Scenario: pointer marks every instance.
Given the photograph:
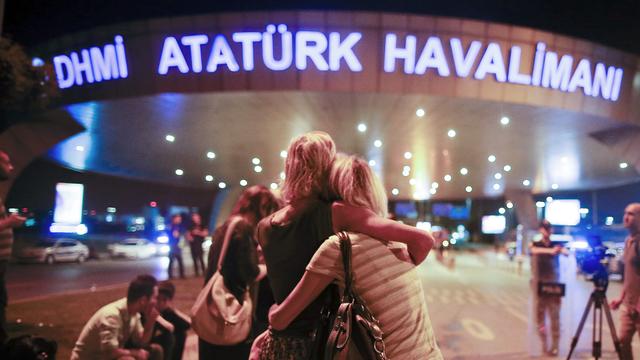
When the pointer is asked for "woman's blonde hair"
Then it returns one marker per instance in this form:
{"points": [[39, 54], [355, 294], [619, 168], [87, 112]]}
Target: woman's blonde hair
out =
{"points": [[353, 181], [307, 166]]}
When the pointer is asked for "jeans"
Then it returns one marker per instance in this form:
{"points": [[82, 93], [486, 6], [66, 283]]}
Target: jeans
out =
{"points": [[175, 254], [196, 255]]}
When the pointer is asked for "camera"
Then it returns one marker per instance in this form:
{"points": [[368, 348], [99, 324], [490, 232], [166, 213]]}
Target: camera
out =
{"points": [[594, 261]]}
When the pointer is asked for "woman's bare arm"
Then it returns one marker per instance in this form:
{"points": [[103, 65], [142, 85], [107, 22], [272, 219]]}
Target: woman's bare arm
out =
{"points": [[362, 220], [307, 289]]}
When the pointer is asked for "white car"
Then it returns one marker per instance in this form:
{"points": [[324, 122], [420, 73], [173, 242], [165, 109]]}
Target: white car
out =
{"points": [[136, 248], [55, 250]]}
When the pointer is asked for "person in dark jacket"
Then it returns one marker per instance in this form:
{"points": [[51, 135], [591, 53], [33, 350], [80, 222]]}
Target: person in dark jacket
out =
{"points": [[171, 334], [241, 267]]}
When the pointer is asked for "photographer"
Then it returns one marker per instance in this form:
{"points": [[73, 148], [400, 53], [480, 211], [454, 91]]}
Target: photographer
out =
{"points": [[546, 269], [630, 297]]}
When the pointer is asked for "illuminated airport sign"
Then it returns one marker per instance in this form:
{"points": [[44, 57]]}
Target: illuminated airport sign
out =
{"points": [[279, 49]]}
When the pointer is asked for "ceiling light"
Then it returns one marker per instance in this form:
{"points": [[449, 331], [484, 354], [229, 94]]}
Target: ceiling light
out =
{"points": [[496, 187], [211, 155], [540, 204], [468, 189], [504, 120], [507, 168], [208, 178], [554, 186], [179, 172], [170, 138], [257, 168], [549, 199], [526, 182], [624, 165], [395, 191], [432, 191], [420, 112], [255, 161], [491, 158], [273, 186], [80, 148], [372, 163], [464, 171], [222, 185], [405, 173], [412, 181], [282, 175], [243, 182], [362, 127], [509, 205], [447, 178], [434, 185], [497, 176], [451, 133], [283, 154], [406, 168], [377, 143], [501, 210], [408, 155]]}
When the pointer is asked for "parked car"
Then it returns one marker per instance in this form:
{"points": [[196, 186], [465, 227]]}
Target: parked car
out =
{"points": [[54, 250], [615, 263], [136, 248]]}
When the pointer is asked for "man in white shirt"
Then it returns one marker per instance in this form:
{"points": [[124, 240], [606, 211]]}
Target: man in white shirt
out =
{"points": [[116, 331]]}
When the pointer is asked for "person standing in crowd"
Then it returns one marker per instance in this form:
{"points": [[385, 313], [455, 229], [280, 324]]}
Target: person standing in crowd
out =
{"points": [[7, 224], [240, 267], [175, 252], [546, 269], [379, 268], [195, 236], [290, 237], [116, 331], [172, 334], [629, 301]]}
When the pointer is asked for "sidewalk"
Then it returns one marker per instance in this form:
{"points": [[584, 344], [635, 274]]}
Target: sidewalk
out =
{"points": [[62, 317]]}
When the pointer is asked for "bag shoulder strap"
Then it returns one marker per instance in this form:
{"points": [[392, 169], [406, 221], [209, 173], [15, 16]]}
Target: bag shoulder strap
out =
{"points": [[345, 249], [227, 238]]}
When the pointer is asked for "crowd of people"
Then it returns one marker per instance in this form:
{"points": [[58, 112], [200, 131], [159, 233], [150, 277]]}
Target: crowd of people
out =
{"points": [[280, 252]]}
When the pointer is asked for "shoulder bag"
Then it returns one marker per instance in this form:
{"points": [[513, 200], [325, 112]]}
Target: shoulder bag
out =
{"points": [[217, 316], [355, 333]]}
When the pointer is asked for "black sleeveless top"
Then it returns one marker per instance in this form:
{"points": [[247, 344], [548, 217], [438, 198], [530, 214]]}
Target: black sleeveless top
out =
{"points": [[287, 251]]}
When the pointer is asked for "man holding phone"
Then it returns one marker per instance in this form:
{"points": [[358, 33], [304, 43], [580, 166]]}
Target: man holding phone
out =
{"points": [[7, 223]]}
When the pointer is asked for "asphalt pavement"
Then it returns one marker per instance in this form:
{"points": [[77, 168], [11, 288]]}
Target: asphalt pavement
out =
{"points": [[32, 281]]}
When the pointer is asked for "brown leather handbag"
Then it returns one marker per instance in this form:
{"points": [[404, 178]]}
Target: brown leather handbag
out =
{"points": [[355, 333]]}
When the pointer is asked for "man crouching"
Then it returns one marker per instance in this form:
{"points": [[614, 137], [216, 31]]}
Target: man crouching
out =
{"points": [[116, 332]]}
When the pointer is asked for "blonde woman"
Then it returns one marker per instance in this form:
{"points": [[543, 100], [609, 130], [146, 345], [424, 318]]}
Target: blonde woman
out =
{"points": [[384, 272], [290, 237]]}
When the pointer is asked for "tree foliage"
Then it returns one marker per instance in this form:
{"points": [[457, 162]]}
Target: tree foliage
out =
{"points": [[25, 89]]}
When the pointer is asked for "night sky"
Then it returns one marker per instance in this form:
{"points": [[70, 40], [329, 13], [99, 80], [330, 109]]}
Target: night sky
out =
{"points": [[613, 22]]}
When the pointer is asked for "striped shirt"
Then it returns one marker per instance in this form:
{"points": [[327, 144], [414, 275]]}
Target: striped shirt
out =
{"points": [[387, 281], [6, 236]]}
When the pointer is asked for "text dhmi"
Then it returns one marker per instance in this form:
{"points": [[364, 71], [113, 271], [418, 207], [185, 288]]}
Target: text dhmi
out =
{"points": [[92, 65]]}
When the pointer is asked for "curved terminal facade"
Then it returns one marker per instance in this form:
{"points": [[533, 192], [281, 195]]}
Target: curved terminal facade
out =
{"points": [[442, 107]]}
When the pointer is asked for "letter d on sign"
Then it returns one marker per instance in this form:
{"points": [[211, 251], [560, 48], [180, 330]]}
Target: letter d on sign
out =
{"points": [[64, 71]]}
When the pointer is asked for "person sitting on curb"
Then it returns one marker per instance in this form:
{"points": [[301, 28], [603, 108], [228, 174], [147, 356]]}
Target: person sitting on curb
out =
{"points": [[171, 331], [116, 332]]}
